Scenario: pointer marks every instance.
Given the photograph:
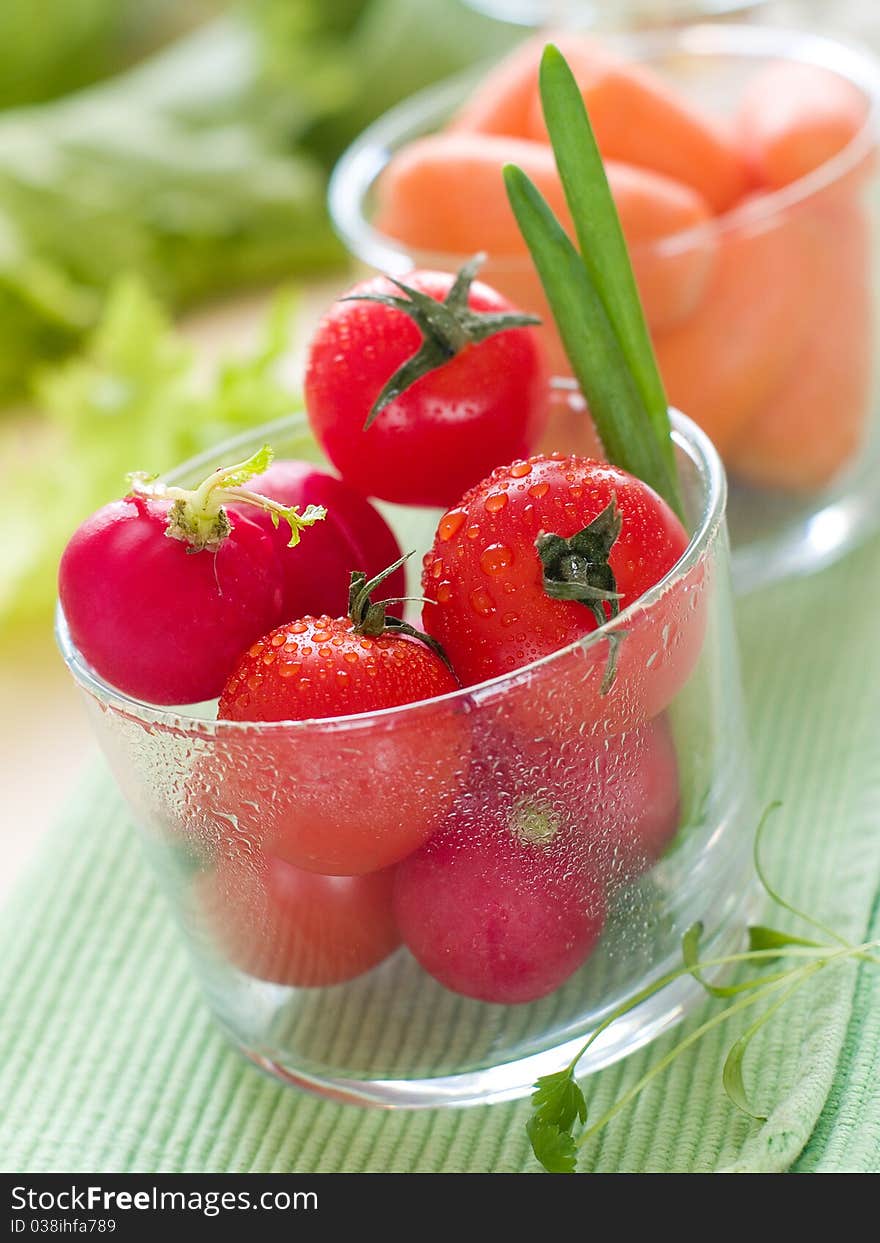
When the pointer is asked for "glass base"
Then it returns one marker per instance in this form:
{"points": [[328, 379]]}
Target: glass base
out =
{"points": [[515, 1079]]}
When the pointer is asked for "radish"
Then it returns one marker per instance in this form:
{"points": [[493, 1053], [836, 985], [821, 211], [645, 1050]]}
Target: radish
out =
{"points": [[498, 907], [163, 591], [354, 536]]}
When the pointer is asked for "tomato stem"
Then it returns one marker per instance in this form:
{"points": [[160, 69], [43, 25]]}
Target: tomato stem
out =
{"points": [[578, 569], [370, 618], [447, 327]]}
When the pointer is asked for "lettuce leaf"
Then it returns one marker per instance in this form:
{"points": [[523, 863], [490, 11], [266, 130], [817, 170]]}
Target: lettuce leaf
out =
{"points": [[134, 399]]}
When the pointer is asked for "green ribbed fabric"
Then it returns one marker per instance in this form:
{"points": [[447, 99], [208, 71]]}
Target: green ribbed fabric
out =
{"points": [[109, 1060]]}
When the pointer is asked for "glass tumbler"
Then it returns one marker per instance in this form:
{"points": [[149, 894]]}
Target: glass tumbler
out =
{"points": [[764, 319], [597, 823]]}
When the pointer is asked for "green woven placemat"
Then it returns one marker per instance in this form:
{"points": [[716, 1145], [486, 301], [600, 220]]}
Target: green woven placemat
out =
{"points": [[109, 1060]]}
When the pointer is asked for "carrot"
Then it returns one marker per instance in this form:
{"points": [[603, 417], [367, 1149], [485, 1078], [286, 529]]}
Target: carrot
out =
{"points": [[641, 120], [813, 424], [722, 365], [445, 194], [794, 117], [502, 103]]}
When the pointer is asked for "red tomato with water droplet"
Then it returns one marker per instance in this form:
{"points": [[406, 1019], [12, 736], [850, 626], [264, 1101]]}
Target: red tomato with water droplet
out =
{"points": [[340, 798], [486, 405], [489, 610]]}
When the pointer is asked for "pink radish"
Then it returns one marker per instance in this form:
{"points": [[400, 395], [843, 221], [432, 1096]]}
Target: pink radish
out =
{"points": [[353, 536], [494, 912], [162, 591]]}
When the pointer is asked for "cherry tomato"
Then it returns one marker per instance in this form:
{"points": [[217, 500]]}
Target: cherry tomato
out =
{"points": [[450, 427], [292, 927], [341, 799], [489, 606]]}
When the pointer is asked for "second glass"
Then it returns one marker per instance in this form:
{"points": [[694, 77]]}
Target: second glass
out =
{"points": [[763, 319]]}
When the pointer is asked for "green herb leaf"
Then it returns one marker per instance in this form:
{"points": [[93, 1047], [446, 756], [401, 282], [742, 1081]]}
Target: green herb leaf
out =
{"points": [[763, 938], [732, 1072], [553, 1148], [559, 1100], [600, 237], [590, 342]]}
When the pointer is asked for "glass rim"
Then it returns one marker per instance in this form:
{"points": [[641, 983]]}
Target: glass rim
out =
{"points": [[361, 163], [689, 439], [638, 8]]}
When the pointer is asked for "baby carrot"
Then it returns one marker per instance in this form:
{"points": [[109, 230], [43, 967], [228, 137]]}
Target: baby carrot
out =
{"points": [[793, 117]]}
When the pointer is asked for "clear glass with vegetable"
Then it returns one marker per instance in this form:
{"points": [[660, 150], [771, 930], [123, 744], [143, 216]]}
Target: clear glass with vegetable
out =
{"points": [[742, 162], [425, 841]]}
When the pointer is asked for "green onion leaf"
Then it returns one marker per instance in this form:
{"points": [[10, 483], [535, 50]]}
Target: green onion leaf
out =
{"points": [[590, 342], [593, 294], [599, 234]]}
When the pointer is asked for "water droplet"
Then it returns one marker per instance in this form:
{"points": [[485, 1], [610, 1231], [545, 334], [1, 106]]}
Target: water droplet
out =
{"points": [[255, 649], [269, 657], [351, 657], [341, 676], [321, 636], [366, 644], [481, 602], [473, 531], [510, 619], [537, 490], [444, 593], [437, 568], [520, 469], [254, 681], [303, 684], [289, 669], [495, 501], [325, 653], [298, 628], [576, 491], [496, 559], [279, 639], [450, 523]]}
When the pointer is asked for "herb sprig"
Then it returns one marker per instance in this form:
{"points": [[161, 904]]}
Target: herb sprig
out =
{"points": [[592, 291], [559, 1104]]}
